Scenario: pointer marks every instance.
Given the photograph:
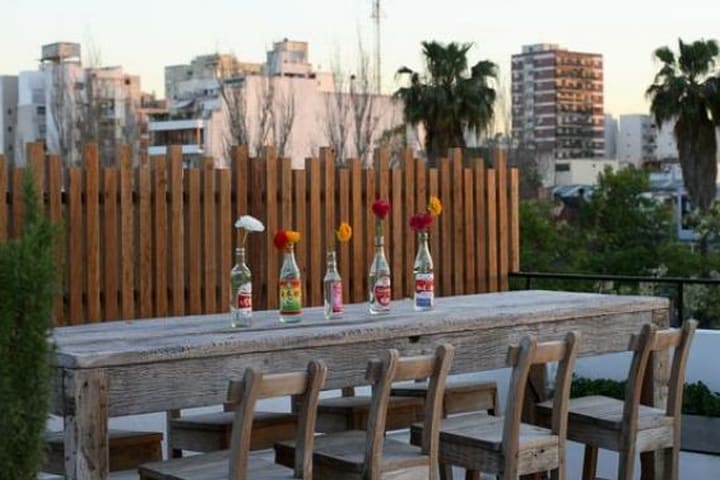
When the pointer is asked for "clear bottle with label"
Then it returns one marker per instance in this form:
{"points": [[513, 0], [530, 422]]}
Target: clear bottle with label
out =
{"points": [[379, 280], [424, 297], [333, 288], [240, 291], [290, 288]]}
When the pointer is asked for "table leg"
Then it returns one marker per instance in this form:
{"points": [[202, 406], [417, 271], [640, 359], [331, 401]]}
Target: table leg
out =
{"points": [[86, 425]]}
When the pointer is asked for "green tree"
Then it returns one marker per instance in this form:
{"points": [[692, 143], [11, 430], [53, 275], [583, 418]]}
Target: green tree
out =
{"points": [[28, 283], [448, 98], [687, 89]]}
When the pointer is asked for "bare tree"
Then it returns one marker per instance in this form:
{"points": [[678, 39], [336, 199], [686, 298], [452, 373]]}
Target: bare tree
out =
{"points": [[233, 92], [336, 122], [284, 115], [265, 96], [63, 110], [362, 104]]}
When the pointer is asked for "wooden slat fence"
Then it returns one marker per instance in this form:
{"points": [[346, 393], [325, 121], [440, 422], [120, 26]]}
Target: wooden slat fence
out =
{"points": [[157, 239]]}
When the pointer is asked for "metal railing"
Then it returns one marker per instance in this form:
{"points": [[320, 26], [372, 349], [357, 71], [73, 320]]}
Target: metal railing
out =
{"points": [[678, 282]]}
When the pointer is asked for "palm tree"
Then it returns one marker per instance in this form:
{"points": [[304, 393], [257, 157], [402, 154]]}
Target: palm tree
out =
{"points": [[448, 99], [687, 89]]}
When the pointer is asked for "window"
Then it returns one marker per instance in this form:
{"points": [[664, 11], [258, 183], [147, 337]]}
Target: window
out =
{"points": [[9, 111], [9, 128]]}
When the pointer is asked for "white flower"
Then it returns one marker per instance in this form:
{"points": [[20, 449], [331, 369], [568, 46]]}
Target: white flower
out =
{"points": [[249, 224]]}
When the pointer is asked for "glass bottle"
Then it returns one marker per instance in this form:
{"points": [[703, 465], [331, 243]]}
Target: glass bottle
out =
{"points": [[424, 297], [290, 288], [333, 288], [379, 280], [240, 291]]}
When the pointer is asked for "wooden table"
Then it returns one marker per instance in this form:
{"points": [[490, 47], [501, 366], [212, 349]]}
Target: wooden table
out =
{"points": [[124, 368]]}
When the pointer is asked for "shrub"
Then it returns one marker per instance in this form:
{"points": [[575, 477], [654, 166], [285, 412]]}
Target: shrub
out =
{"points": [[28, 283]]}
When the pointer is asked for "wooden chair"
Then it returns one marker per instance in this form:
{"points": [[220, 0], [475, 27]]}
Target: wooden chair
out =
{"points": [[238, 463], [369, 455], [505, 446], [212, 431], [128, 449], [460, 396], [628, 427]]}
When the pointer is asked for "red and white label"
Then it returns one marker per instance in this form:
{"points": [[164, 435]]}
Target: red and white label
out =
{"points": [[382, 291], [424, 290], [243, 298]]}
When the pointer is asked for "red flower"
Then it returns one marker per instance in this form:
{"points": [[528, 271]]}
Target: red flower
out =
{"points": [[421, 221], [281, 240], [381, 208]]}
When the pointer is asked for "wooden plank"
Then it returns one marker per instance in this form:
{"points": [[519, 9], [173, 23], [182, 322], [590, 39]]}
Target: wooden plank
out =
{"points": [[370, 181], [458, 229], [514, 220], [76, 279], [503, 244], [145, 260], [409, 205], [240, 170], [225, 252], [111, 258], [398, 244], [3, 199], [272, 214], [344, 248], [327, 164], [18, 203], [194, 242], [127, 235], [315, 234], [446, 224], [492, 247], [177, 231], [209, 287], [92, 238], [54, 182], [357, 244], [469, 221], [433, 190], [36, 161], [285, 193], [300, 209], [257, 251], [160, 240], [480, 224]]}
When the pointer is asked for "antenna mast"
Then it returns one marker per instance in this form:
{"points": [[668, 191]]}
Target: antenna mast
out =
{"points": [[376, 17]]}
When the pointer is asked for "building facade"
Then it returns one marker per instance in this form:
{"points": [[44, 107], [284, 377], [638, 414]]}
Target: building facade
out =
{"points": [[637, 140], [8, 115], [611, 136], [557, 101]]}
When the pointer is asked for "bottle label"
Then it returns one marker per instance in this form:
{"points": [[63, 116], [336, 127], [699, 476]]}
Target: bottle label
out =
{"points": [[424, 290], [290, 297], [336, 297], [381, 291], [243, 298]]}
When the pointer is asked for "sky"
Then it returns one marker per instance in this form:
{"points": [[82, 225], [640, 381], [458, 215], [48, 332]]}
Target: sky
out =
{"points": [[144, 36]]}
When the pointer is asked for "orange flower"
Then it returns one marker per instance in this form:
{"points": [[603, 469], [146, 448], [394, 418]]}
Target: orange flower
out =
{"points": [[434, 206], [344, 232], [285, 238], [293, 236]]}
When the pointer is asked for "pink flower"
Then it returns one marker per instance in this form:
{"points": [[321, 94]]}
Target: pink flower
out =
{"points": [[421, 221]]}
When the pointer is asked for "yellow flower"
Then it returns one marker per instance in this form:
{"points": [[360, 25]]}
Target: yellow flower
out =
{"points": [[344, 232], [434, 206], [293, 236]]}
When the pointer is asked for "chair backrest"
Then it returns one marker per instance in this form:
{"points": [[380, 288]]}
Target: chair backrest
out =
{"points": [[254, 386], [392, 368], [521, 358], [643, 345]]}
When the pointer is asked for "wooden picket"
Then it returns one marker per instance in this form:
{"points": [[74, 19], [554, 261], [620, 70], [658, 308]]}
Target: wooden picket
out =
{"points": [[158, 239]]}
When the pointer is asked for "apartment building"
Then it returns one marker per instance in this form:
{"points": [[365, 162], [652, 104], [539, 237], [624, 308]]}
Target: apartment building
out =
{"points": [[557, 101], [637, 140], [8, 115]]}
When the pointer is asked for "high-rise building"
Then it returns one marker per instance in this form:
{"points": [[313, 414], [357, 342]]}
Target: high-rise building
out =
{"points": [[557, 101], [637, 141], [8, 115], [611, 133]]}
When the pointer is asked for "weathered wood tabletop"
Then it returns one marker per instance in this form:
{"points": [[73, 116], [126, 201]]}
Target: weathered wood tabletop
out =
{"points": [[122, 368]]}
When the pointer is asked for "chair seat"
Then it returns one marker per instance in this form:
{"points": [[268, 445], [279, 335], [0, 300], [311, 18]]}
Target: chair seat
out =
{"points": [[213, 466], [459, 396], [211, 431], [344, 451], [127, 450], [338, 414], [486, 432], [605, 412]]}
